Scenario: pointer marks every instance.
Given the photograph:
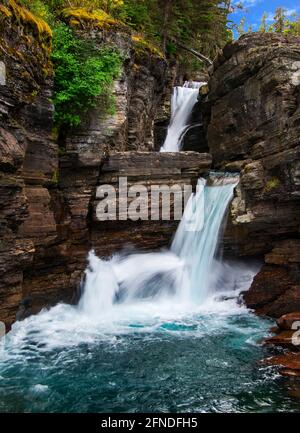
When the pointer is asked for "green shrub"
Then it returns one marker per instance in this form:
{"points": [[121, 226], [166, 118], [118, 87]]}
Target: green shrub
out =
{"points": [[82, 74]]}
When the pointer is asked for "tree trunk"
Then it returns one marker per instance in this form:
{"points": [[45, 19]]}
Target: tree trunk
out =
{"points": [[167, 10]]}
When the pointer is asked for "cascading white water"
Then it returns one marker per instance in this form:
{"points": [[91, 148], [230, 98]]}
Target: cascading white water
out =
{"points": [[198, 234], [137, 310], [183, 100], [184, 273]]}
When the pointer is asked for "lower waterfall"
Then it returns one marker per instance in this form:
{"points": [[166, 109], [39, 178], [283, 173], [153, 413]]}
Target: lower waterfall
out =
{"points": [[153, 332]]}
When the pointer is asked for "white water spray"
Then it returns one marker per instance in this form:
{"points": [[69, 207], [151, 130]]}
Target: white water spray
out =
{"points": [[183, 100]]}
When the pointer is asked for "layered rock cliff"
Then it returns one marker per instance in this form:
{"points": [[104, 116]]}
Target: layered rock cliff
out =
{"points": [[28, 156], [253, 126]]}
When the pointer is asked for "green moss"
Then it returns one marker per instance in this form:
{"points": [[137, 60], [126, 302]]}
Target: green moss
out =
{"points": [[4, 11], [33, 95], [271, 184], [248, 168], [55, 177], [142, 45], [39, 8], [33, 32]]}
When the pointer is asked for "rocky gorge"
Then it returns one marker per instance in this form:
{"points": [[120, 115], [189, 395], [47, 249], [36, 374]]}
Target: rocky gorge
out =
{"points": [[251, 116], [246, 123]]}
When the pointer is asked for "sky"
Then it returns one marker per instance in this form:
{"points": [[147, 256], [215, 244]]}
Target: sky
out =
{"points": [[254, 9]]}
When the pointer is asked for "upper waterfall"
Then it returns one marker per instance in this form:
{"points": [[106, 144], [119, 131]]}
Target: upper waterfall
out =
{"points": [[182, 103]]}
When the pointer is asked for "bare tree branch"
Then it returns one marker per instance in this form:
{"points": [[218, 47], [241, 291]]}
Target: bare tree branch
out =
{"points": [[199, 56]]}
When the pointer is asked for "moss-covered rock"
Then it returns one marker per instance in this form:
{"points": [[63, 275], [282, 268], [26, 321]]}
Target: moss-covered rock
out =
{"points": [[26, 19], [26, 44], [272, 184], [82, 17]]}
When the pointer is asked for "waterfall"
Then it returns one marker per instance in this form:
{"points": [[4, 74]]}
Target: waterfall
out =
{"points": [[183, 100], [184, 273], [198, 234]]}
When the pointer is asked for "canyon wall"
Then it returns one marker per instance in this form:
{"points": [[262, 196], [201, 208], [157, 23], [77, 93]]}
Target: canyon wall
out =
{"points": [[28, 158], [252, 117]]}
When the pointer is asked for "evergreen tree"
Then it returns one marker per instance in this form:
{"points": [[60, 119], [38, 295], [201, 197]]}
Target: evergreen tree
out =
{"points": [[197, 24], [281, 23]]}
